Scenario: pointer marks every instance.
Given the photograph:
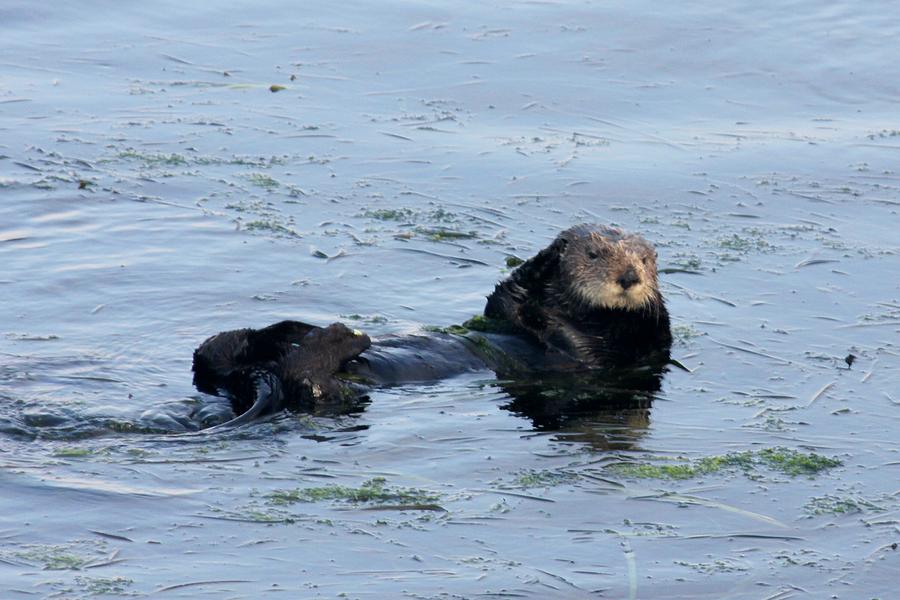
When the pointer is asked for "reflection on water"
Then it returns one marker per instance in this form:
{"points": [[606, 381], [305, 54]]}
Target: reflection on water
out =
{"points": [[605, 411]]}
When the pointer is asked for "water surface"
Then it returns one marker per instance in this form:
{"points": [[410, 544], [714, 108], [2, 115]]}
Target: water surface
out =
{"points": [[156, 190]]}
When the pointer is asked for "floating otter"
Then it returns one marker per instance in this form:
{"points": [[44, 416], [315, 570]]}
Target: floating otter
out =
{"points": [[592, 295], [588, 303]]}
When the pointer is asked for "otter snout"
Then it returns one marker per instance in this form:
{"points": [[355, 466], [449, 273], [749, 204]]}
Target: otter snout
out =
{"points": [[628, 278]]}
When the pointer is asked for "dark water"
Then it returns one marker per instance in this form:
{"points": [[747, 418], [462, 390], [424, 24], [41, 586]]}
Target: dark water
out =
{"points": [[154, 191]]}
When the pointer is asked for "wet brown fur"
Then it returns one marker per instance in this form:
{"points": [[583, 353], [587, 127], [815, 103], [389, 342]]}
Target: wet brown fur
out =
{"points": [[592, 295]]}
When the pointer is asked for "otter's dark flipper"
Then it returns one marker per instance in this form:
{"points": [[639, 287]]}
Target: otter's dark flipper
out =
{"points": [[288, 364], [520, 299], [230, 354]]}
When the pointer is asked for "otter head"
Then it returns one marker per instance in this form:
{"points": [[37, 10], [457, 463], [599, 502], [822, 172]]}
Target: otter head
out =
{"points": [[604, 267]]}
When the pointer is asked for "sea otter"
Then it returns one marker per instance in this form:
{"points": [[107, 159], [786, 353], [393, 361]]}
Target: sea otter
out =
{"points": [[588, 303], [592, 295]]}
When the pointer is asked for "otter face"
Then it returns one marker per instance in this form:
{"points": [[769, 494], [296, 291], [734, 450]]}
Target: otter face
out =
{"points": [[607, 268]]}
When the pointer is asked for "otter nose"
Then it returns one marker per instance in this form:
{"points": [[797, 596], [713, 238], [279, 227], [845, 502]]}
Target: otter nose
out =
{"points": [[628, 278]]}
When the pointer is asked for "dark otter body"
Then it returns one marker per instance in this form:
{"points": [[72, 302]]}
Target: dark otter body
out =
{"points": [[414, 358], [587, 303]]}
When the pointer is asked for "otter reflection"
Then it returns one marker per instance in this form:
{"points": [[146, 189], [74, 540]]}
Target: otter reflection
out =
{"points": [[606, 410]]}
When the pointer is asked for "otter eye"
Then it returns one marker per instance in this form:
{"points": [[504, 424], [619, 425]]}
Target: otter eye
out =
{"points": [[592, 255]]}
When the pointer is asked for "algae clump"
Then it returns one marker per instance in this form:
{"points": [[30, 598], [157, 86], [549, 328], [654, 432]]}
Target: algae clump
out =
{"points": [[373, 491], [785, 460]]}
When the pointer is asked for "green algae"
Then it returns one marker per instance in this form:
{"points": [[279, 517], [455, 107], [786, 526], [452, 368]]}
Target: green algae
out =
{"points": [[450, 329], [721, 565], [367, 319], [408, 215], [830, 504], [258, 516], [158, 159], [373, 491], [796, 463], [56, 560], [477, 323], [488, 325], [269, 226], [254, 514], [471, 329], [104, 586], [542, 478], [154, 158], [513, 261], [83, 587], [389, 214], [126, 427], [247, 161], [262, 180], [442, 234], [685, 262], [647, 471], [72, 452], [72, 556], [784, 460], [685, 332], [743, 244]]}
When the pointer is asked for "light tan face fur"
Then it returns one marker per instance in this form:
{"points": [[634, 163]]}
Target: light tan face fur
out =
{"points": [[597, 265]]}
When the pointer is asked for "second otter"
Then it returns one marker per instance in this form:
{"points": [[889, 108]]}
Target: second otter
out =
{"points": [[589, 301]]}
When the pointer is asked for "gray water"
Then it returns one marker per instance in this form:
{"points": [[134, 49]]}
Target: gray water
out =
{"points": [[155, 190]]}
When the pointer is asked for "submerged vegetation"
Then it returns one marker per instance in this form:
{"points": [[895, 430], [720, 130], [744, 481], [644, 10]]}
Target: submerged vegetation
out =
{"points": [[173, 159], [389, 214], [831, 504], [58, 557], [262, 180], [784, 460], [543, 478], [436, 225], [372, 491], [271, 227], [105, 586], [72, 452], [367, 319]]}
